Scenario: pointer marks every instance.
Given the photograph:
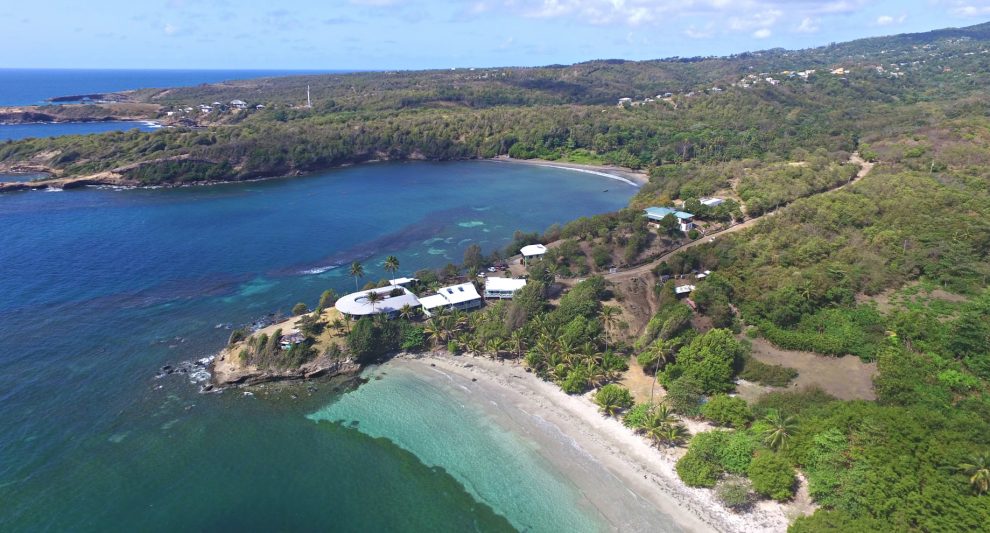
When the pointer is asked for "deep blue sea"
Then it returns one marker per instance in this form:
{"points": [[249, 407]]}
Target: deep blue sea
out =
{"points": [[100, 288]]}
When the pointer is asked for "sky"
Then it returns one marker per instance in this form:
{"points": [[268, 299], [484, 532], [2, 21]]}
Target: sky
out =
{"points": [[415, 34]]}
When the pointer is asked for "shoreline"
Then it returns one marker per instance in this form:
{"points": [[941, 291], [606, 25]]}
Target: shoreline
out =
{"points": [[115, 180], [643, 472], [626, 175]]}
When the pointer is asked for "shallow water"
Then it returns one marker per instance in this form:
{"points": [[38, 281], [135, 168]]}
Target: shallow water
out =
{"points": [[102, 287], [24, 131]]}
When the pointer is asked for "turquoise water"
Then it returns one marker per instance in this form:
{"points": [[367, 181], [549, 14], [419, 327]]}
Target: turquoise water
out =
{"points": [[102, 287]]}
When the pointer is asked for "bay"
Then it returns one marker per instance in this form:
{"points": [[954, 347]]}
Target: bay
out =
{"points": [[102, 287]]}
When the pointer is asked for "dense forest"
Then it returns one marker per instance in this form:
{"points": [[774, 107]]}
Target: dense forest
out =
{"points": [[891, 269]]}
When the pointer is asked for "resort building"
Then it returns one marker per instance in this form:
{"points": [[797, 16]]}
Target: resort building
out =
{"points": [[402, 282], [685, 220], [502, 288], [533, 251], [463, 296], [357, 304]]}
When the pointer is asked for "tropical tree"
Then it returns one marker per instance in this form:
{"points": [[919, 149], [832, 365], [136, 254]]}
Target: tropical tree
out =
{"points": [[434, 330], [338, 325], [612, 398], [357, 271], [391, 264], [608, 315], [517, 340], [494, 346], [407, 312], [374, 298], [779, 429], [978, 469]]}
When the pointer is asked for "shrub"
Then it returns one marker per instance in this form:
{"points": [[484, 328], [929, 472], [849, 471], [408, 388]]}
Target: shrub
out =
{"points": [[727, 411], [731, 451], [453, 347], [735, 493], [693, 234], [711, 358], [697, 471], [299, 309], [413, 338], [772, 476], [613, 398], [685, 396], [577, 381], [636, 417], [764, 374]]}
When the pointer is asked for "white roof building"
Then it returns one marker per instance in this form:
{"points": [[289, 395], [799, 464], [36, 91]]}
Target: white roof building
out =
{"points": [[712, 202], [533, 250], [502, 287], [357, 305], [463, 296], [402, 281], [683, 289]]}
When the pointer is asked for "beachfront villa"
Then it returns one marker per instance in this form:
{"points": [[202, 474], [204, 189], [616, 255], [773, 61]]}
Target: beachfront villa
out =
{"points": [[463, 296], [393, 298], [502, 288], [533, 251], [656, 214]]}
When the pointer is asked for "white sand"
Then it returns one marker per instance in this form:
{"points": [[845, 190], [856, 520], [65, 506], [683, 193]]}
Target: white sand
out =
{"points": [[617, 471]]}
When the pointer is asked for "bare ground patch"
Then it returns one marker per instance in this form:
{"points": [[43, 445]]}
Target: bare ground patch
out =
{"points": [[846, 378]]}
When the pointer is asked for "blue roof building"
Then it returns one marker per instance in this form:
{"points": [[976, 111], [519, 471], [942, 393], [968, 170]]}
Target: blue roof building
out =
{"points": [[656, 214]]}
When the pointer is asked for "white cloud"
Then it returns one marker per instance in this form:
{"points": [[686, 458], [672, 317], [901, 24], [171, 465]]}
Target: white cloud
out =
{"points": [[966, 8], [887, 20], [170, 29], [808, 25], [762, 33]]}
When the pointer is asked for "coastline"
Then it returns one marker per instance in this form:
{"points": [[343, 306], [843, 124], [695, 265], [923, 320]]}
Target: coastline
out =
{"points": [[112, 178], [643, 473], [627, 175]]}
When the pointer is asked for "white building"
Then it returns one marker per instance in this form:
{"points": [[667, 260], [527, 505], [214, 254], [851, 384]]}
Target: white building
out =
{"points": [[357, 304], [463, 296], [238, 104], [503, 288], [683, 290], [712, 202], [402, 282], [533, 251]]}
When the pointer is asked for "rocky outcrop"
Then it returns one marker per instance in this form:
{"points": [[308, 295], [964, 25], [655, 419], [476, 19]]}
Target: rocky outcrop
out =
{"points": [[228, 371]]}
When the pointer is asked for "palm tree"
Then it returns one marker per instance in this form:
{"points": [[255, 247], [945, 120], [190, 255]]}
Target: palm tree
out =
{"points": [[373, 298], [978, 470], [391, 264], [337, 325], [674, 435], [661, 351], [518, 342], [609, 315], [407, 312], [434, 330], [357, 271], [494, 346], [780, 429]]}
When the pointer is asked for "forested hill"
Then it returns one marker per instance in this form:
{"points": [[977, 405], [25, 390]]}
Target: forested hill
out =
{"points": [[593, 82]]}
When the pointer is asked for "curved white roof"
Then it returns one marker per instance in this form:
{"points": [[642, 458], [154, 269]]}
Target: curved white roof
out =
{"points": [[533, 249], [357, 304]]}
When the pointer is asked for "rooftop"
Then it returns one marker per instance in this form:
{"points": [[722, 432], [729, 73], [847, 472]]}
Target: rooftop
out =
{"points": [[357, 304], [657, 213], [533, 249], [504, 284]]}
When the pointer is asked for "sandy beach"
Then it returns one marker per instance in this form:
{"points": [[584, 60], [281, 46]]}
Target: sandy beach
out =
{"points": [[632, 484], [633, 177]]}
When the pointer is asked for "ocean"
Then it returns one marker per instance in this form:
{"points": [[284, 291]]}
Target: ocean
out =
{"points": [[102, 287]]}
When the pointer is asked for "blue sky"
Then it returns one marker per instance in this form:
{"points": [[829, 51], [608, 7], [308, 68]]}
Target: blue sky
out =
{"points": [[411, 34]]}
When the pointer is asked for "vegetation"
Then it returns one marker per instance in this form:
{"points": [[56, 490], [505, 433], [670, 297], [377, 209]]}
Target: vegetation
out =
{"points": [[613, 398], [772, 476]]}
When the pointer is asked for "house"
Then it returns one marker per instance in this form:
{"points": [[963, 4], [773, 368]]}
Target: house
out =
{"points": [[712, 202], [402, 282], [625, 102], [503, 288], [683, 290], [533, 251], [238, 104], [393, 299], [656, 214], [463, 296], [292, 338]]}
